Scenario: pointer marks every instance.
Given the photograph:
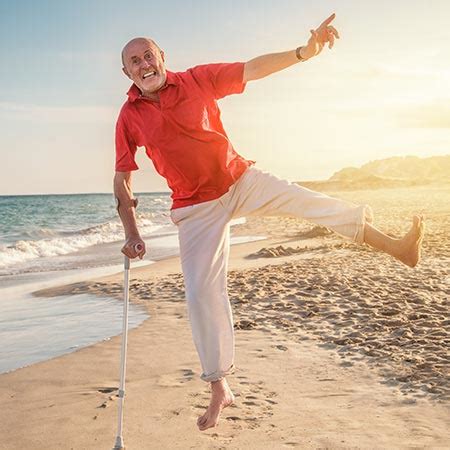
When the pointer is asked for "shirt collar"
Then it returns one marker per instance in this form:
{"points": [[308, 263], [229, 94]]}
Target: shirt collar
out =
{"points": [[134, 92]]}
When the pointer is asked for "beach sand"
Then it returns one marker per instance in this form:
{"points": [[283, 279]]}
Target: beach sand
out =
{"points": [[337, 346]]}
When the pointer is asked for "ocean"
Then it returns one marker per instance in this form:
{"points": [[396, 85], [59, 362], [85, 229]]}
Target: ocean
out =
{"points": [[50, 240], [42, 233]]}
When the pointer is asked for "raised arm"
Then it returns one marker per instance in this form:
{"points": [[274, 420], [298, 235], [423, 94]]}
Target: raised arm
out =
{"points": [[126, 209], [265, 65]]}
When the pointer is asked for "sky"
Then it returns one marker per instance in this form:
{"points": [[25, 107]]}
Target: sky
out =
{"points": [[382, 91]]}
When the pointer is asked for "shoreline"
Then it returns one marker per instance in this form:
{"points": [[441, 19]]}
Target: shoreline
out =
{"points": [[29, 316], [291, 386]]}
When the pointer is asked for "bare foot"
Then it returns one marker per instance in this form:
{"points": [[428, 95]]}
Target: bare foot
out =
{"points": [[221, 398], [410, 245]]}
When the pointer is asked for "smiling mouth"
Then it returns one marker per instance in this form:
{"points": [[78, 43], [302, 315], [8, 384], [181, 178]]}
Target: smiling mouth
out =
{"points": [[149, 74]]}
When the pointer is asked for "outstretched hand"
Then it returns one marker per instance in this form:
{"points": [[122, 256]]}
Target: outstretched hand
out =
{"points": [[319, 37]]}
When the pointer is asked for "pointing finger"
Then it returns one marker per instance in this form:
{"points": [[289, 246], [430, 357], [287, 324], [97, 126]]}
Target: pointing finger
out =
{"points": [[327, 21]]}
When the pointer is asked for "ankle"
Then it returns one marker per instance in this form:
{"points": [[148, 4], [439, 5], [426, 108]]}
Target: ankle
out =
{"points": [[219, 385]]}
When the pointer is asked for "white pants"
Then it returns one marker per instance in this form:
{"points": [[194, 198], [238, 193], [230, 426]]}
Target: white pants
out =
{"points": [[204, 236]]}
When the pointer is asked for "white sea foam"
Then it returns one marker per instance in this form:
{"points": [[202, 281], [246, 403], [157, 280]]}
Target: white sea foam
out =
{"points": [[68, 242]]}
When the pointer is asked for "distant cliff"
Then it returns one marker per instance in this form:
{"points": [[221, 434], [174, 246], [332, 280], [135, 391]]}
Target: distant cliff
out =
{"points": [[392, 172]]}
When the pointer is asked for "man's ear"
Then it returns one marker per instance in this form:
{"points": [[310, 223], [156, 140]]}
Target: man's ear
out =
{"points": [[125, 71], [162, 56]]}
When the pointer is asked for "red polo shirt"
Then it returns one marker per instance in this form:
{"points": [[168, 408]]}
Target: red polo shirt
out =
{"points": [[183, 134]]}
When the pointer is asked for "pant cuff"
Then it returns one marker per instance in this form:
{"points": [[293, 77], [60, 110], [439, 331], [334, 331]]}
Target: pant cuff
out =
{"points": [[364, 213], [216, 376]]}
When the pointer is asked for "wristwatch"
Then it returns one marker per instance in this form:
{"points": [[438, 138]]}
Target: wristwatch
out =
{"points": [[298, 54]]}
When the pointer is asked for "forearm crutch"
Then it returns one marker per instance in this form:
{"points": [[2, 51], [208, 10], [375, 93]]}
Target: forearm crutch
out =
{"points": [[119, 445]]}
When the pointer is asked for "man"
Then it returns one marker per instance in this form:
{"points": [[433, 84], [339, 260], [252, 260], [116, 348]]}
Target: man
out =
{"points": [[176, 118]]}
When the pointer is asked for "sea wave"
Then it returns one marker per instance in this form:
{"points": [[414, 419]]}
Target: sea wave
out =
{"points": [[54, 243], [40, 233]]}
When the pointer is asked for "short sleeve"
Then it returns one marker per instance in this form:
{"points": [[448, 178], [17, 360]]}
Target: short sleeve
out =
{"points": [[220, 79], [125, 148]]}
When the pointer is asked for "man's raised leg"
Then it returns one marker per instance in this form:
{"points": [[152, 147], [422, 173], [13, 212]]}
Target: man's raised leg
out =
{"points": [[261, 193]]}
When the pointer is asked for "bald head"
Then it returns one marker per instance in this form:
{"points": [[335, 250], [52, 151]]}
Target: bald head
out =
{"points": [[136, 41], [143, 62]]}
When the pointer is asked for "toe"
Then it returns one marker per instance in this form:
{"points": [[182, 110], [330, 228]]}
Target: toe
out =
{"points": [[207, 424], [201, 420]]}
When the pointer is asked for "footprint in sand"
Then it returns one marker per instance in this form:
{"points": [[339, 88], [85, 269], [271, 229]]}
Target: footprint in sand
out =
{"points": [[283, 348], [106, 390], [176, 380], [187, 375], [256, 405]]}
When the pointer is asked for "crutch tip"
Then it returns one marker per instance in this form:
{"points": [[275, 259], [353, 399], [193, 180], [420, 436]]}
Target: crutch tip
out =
{"points": [[119, 444]]}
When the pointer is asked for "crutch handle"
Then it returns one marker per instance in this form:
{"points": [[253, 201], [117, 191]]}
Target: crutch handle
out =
{"points": [[137, 248]]}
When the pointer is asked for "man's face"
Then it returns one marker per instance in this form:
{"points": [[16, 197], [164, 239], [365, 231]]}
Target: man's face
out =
{"points": [[144, 64]]}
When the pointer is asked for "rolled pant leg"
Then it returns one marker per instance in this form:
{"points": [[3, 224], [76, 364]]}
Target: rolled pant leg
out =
{"points": [[261, 193], [204, 235]]}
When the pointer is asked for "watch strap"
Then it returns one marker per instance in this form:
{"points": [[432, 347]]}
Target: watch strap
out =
{"points": [[298, 54]]}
